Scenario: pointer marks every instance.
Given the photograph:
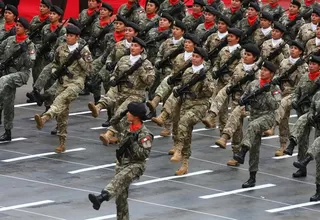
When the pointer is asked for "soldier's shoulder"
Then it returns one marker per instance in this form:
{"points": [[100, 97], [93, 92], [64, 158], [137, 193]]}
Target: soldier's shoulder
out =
{"points": [[35, 19]]}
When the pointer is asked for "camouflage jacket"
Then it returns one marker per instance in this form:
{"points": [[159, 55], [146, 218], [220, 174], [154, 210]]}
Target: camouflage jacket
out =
{"points": [[307, 10], [293, 30], [119, 50], [201, 30], [277, 11], [140, 79], [236, 17], [167, 7], [268, 48], [138, 16], [259, 38], [178, 63], [153, 47], [212, 42], [311, 46], [83, 19], [5, 34], [78, 70], [306, 33], [34, 23], [192, 23], [315, 105], [218, 5]]}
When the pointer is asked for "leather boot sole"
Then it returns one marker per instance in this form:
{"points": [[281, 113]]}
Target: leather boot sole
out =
{"points": [[233, 163], [39, 122], [60, 149], [93, 109], [207, 123], [165, 133]]}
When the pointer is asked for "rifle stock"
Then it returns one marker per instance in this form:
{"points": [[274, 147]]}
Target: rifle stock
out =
{"points": [[176, 77]]}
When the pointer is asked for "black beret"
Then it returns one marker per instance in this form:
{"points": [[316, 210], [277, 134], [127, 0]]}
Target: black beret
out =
{"points": [[297, 44], [254, 5], [211, 10], [56, 9], [13, 9], [193, 38], [180, 25], [99, 1], [139, 41], [121, 18], [316, 10], [74, 22], [47, 3], [24, 22], [137, 109], [199, 2], [296, 2], [315, 59], [1, 4], [235, 31], [225, 19], [133, 25], [266, 15], [270, 66], [202, 52], [156, 2], [107, 6], [167, 16], [72, 29], [279, 26], [252, 48]]}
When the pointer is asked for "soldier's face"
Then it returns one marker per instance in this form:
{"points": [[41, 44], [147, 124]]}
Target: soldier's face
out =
{"points": [[151, 8], [235, 3], [252, 12], [276, 34], [136, 49], [92, 4], [188, 46], [72, 39], [314, 67], [44, 9], [232, 39], [104, 12], [130, 117], [20, 30], [119, 26], [196, 59], [208, 17], [315, 18], [164, 23], [264, 23], [265, 74], [196, 8], [222, 27], [318, 32], [129, 33], [293, 9], [54, 17], [177, 32], [295, 52], [248, 58], [9, 16]]}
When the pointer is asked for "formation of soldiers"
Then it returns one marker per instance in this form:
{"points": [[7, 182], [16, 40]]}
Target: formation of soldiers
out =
{"points": [[261, 60]]}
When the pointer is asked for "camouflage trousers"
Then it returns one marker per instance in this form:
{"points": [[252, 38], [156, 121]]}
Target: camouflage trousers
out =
{"points": [[38, 66], [282, 118], [252, 138], [314, 150], [119, 186], [223, 112], [60, 106]]}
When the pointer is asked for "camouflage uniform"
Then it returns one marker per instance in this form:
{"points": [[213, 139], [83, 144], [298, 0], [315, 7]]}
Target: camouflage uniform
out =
{"points": [[284, 20], [16, 75], [201, 30], [262, 118], [218, 5], [234, 17], [165, 6], [83, 18], [308, 9], [268, 48], [259, 37], [311, 46], [277, 11], [192, 23], [34, 23], [138, 16], [306, 33], [5, 34], [212, 42]]}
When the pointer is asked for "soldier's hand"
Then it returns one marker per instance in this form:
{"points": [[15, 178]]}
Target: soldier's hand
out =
{"points": [[228, 90], [294, 104], [276, 81], [113, 83], [77, 54], [241, 102], [311, 118], [110, 66], [157, 65], [24, 47]]}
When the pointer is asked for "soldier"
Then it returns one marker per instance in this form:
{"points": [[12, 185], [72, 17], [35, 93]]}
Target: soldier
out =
{"points": [[308, 85], [235, 12], [176, 8], [135, 147], [217, 4], [151, 11], [209, 22], [2, 6], [252, 19], [308, 30], [274, 8], [49, 36], [263, 33], [192, 21], [69, 84], [16, 73], [45, 6], [262, 117], [314, 43], [87, 18], [306, 8], [194, 105], [132, 11], [10, 16], [129, 80]]}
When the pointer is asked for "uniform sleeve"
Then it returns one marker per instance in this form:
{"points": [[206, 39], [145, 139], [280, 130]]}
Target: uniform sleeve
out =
{"points": [[208, 86], [147, 73], [143, 148], [56, 61], [2, 48], [86, 60], [160, 53]]}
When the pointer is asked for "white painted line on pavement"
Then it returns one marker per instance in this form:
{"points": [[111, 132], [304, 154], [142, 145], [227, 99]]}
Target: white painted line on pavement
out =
{"points": [[285, 208], [92, 168], [103, 217], [25, 104], [41, 155], [236, 191], [172, 177], [216, 146], [285, 156], [100, 128], [269, 137], [13, 140], [26, 205], [78, 113], [195, 130]]}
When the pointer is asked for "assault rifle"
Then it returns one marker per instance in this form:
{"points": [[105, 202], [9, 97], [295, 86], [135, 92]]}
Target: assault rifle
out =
{"points": [[131, 10], [250, 31], [215, 51], [236, 16], [11, 32], [177, 76], [247, 100], [93, 40], [186, 88], [38, 28], [176, 10], [292, 23], [207, 34], [171, 56], [88, 22], [143, 33], [126, 147], [278, 50], [278, 15], [162, 36]]}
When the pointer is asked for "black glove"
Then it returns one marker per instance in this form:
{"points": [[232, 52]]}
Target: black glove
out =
{"points": [[228, 90], [241, 102], [294, 104], [113, 83], [24, 47], [276, 81], [77, 53], [157, 65], [110, 66], [170, 81], [311, 118]]}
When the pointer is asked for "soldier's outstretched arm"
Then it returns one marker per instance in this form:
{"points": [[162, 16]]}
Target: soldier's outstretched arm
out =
{"points": [[85, 60]]}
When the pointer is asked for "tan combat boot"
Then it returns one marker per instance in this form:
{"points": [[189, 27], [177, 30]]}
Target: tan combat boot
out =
{"points": [[184, 167], [171, 151], [160, 119], [210, 120], [41, 120], [269, 132], [177, 156], [165, 132], [152, 105], [62, 146], [108, 138], [233, 163], [279, 152], [95, 109], [222, 141]]}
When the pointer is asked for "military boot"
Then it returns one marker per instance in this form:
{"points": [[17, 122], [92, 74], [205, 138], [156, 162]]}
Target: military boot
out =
{"points": [[177, 157], [97, 200], [233, 163], [171, 151], [54, 131], [108, 138], [210, 120], [152, 105], [161, 118], [316, 197], [302, 165], [95, 109], [41, 120], [47, 109], [62, 145], [222, 141], [300, 173], [269, 132], [241, 155], [30, 96], [165, 132], [251, 181], [290, 148], [280, 152], [6, 136], [184, 167]]}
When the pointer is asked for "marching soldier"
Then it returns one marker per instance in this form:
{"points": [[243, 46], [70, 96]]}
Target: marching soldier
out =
{"points": [[252, 18], [209, 22], [16, 73], [263, 33], [192, 21], [70, 83], [176, 8], [274, 9], [235, 12], [135, 147], [308, 30], [10, 16], [87, 18], [132, 11], [313, 44], [151, 11], [306, 8], [217, 4]]}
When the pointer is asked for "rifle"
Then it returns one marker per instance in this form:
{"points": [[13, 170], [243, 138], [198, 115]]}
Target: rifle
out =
{"points": [[160, 37], [38, 28], [171, 56], [177, 76], [176, 9], [224, 69], [185, 88], [292, 23], [207, 34], [215, 51], [195, 25], [124, 77], [51, 38], [131, 10], [236, 17], [11, 32], [250, 31], [251, 97], [88, 22], [126, 147], [277, 51], [216, 4], [93, 40], [278, 15], [143, 33]]}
